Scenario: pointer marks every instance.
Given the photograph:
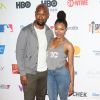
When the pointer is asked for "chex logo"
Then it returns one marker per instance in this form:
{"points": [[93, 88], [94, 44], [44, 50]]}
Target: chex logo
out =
{"points": [[6, 28], [80, 94], [22, 4], [2, 47], [49, 3]]}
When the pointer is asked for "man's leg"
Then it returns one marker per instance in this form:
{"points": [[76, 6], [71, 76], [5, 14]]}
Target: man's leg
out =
{"points": [[30, 89], [41, 85]]}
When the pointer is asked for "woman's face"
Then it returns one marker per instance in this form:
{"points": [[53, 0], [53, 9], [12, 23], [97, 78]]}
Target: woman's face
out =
{"points": [[60, 30]]}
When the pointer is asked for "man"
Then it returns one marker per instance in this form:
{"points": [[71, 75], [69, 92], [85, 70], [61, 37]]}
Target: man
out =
{"points": [[31, 49]]}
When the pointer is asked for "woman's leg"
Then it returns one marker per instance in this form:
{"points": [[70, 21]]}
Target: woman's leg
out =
{"points": [[51, 85], [63, 79]]}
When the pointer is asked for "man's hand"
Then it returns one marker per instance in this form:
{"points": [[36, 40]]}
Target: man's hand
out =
{"points": [[23, 80]]}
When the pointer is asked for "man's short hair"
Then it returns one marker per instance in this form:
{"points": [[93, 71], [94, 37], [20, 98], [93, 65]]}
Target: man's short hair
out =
{"points": [[42, 6]]}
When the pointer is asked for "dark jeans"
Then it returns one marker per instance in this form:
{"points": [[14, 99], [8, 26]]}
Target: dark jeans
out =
{"points": [[36, 87]]}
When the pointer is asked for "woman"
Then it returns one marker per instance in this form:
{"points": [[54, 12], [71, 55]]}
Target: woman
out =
{"points": [[60, 75]]}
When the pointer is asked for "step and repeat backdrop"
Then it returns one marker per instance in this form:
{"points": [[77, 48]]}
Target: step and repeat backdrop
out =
{"points": [[83, 17]]}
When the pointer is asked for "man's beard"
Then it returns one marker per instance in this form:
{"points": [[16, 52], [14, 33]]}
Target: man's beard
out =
{"points": [[40, 24]]}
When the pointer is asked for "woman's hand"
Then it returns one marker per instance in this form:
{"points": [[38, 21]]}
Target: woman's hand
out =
{"points": [[71, 89]]}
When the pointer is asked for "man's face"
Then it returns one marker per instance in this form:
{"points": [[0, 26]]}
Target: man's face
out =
{"points": [[41, 16]]}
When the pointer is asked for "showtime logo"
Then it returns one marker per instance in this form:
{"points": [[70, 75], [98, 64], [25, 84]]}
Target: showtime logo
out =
{"points": [[72, 3]]}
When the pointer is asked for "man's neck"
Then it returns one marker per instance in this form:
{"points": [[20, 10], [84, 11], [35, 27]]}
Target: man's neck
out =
{"points": [[38, 26]]}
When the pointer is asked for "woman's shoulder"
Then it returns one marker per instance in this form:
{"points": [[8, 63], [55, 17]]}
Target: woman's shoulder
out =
{"points": [[68, 44]]}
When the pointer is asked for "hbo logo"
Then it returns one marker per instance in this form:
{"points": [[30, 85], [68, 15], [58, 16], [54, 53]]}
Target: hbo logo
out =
{"points": [[26, 4], [49, 3]]}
